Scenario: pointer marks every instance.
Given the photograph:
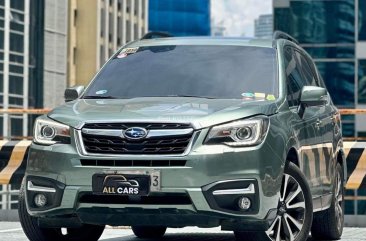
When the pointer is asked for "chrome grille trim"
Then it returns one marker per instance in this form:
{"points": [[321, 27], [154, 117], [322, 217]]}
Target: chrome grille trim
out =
{"points": [[151, 133], [83, 153]]}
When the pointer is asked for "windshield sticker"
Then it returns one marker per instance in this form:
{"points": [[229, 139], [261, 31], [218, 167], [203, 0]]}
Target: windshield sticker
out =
{"points": [[271, 97], [260, 95], [101, 92], [121, 55], [129, 50], [247, 96]]}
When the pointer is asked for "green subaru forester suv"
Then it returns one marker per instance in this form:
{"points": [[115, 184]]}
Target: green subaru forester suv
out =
{"points": [[176, 132]]}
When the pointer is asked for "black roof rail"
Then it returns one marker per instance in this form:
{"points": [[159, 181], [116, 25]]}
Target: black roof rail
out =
{"points": [[154, 34], [282, 35]]}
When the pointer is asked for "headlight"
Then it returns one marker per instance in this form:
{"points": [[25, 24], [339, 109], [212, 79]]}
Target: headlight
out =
{"points": [[48, 132], [248, 132]]}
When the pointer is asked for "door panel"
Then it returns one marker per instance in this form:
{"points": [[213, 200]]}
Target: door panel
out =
{"points": [[311, 149]]}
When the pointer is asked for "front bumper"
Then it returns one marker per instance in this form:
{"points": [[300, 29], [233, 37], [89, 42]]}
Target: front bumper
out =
{"points": [[207, 168]]}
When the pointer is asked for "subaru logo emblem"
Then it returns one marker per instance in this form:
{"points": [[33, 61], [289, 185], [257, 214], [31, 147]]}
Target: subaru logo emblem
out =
{"points": [[135, 133]]}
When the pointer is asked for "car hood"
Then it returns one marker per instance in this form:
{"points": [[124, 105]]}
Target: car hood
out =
{"points": [[200, 112]]}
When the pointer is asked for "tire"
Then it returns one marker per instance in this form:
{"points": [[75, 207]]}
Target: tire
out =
{"points": [[328, 224], [35, 233], [149, 232], [294, 212]]}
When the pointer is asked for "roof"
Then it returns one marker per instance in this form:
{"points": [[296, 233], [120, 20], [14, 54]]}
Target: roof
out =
{"points": [[204, 41]]}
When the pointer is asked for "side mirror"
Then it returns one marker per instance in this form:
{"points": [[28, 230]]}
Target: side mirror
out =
{"points": [[312, 96], [73, 93]]}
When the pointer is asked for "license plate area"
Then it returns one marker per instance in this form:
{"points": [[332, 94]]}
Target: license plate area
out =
{"points": [[126, 183]]}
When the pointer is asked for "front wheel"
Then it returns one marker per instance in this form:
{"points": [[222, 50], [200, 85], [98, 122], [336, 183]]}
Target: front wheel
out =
{"points": [[294, 211], [36, 233]]}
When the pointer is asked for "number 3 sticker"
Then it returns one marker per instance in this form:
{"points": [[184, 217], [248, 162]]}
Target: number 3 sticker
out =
{"points": [[155, 181]]}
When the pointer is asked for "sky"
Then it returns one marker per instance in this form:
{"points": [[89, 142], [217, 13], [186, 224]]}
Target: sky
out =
{"points": [[237, 16]]}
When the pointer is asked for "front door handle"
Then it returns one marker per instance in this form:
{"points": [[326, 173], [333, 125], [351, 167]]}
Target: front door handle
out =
{"points": [[318, 124]]}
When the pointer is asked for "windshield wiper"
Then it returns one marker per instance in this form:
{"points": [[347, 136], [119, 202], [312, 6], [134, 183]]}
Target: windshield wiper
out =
{"points": [[98, 97]]}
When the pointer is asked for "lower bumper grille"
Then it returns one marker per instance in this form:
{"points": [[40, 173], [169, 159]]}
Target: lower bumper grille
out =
{"points": [[134, 163], [161, 199]]}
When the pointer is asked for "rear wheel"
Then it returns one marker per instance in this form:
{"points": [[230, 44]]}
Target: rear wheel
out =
{"points": [[148, 232], [328, 224], [36, 233], [294, 211]]}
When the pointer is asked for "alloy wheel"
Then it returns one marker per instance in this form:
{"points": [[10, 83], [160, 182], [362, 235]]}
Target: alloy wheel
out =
{"points": [[339, 201], [290, 212]]}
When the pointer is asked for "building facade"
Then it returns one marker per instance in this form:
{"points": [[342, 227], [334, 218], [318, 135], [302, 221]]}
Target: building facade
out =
{"points": [[180, 18], [334, 34], [263, 26], [97, 29], [32, 59]]}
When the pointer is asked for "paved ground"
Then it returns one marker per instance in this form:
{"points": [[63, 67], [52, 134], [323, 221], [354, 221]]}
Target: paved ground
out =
{"points": [[11, 231]]}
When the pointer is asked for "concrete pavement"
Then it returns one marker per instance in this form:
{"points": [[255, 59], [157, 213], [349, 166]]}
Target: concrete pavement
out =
{"points": [[11, 231]]}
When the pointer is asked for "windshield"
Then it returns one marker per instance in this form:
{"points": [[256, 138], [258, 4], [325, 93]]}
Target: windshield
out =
{"points": [[220, 72]]}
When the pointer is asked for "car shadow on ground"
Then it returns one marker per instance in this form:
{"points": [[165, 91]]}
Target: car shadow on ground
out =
{"points": [[187, 237]]}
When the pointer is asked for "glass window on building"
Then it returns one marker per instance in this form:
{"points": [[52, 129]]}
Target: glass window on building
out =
{"points": [[344, 52], [1, 83], [362, 81], [16, 126], [128, 31], [1, 39], [110, 27], [135, 31], [17, 26], [2, 2], [102, 22], [15, 84], [362, 20], [17, 69], [340, 81], [2, 22], [180, 18], [321, 21], [16, 42], [348, 125], [16, 58], [18, 5], [16, 102], [119, 5], [16, 17], [101, 55]]}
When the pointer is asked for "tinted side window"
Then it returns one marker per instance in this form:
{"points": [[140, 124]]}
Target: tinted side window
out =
{"points": [[308, 73], [294, 78]]}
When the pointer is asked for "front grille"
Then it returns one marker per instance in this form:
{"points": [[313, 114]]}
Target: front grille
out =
{"points": [[133, 163], [152, 199], [153, 145]]}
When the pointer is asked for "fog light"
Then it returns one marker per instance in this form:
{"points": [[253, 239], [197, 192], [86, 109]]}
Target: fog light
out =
{"points": [[40, 200], [244, 203]]}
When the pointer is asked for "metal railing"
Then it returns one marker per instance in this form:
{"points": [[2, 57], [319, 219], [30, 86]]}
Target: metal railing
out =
{"points": [[9, 193], [9, 197]]}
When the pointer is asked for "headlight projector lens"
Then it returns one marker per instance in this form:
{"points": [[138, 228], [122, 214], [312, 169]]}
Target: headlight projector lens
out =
{"points": [[48, 132], [244, 133]]}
